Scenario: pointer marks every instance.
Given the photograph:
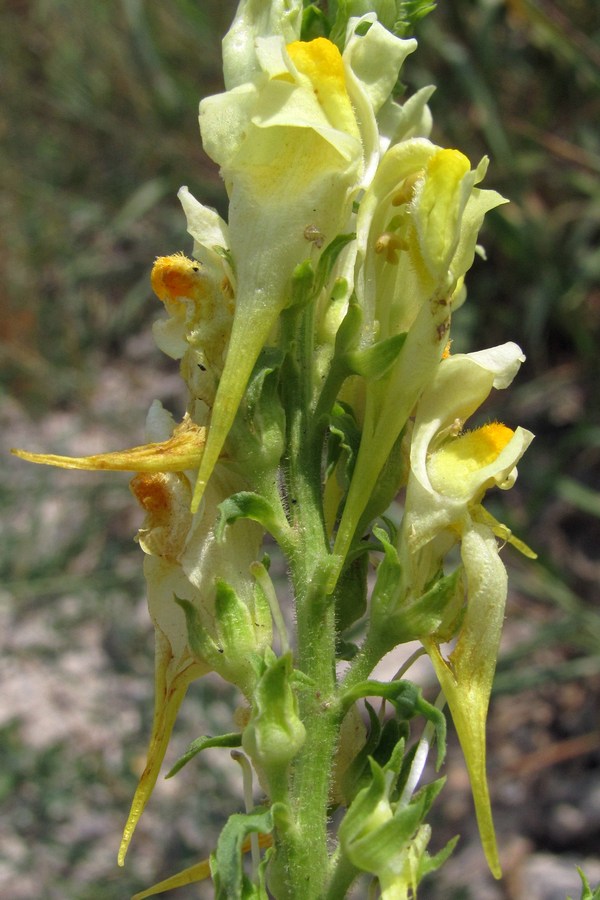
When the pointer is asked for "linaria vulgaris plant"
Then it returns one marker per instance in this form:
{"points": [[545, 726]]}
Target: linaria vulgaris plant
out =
{"points": [[313, 331]]}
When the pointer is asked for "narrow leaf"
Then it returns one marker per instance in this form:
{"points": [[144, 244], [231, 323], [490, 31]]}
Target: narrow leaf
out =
{"points": [[205, 743]]}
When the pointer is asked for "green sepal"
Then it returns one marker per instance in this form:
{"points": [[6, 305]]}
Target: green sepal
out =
{"points": [[427, 794], [373, 362], [353, 779], [388, 581], [429, 863], [249, 505], [234, 739], [409, 13], [262, 617], [345, 10], [262, 873], [392, 740], [227, 862], [408, 701]]}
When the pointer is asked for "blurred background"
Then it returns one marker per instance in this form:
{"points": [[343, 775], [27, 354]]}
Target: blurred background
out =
{"points": [[98, 130]]}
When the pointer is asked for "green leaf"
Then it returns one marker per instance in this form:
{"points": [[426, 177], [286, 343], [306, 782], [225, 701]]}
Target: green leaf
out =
{"points": [[350, 595], [389, 577], [227, 869], [586, 891], [234, 739], [396, 619], [398, 16], [257, 438], [328, 259], [373, 362], [580, 495], [409, 13], [314, 23], [343, 444], [248, 505], [408, 702], [429, 863], [348, 334], [382, 744]]}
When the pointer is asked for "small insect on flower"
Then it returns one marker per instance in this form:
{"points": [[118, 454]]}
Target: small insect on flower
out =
{"points": [[314, 236]]}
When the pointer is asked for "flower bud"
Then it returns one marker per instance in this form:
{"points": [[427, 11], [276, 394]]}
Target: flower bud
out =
{"points": [[275, 732]]}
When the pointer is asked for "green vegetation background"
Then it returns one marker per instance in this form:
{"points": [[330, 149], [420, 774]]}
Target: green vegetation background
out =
{"points": [[98, 130]]}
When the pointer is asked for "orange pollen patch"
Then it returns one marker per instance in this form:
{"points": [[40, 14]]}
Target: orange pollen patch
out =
{"points": [[494, 436], [481, 446], [176, 276], [152, 492]]}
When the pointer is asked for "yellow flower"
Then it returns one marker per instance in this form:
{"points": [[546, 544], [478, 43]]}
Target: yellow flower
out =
{"points": [[291, 156], [450, 473], [416, 233]]}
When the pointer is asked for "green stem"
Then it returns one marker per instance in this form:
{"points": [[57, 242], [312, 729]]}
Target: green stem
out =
{"points": [[302, 849]]}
